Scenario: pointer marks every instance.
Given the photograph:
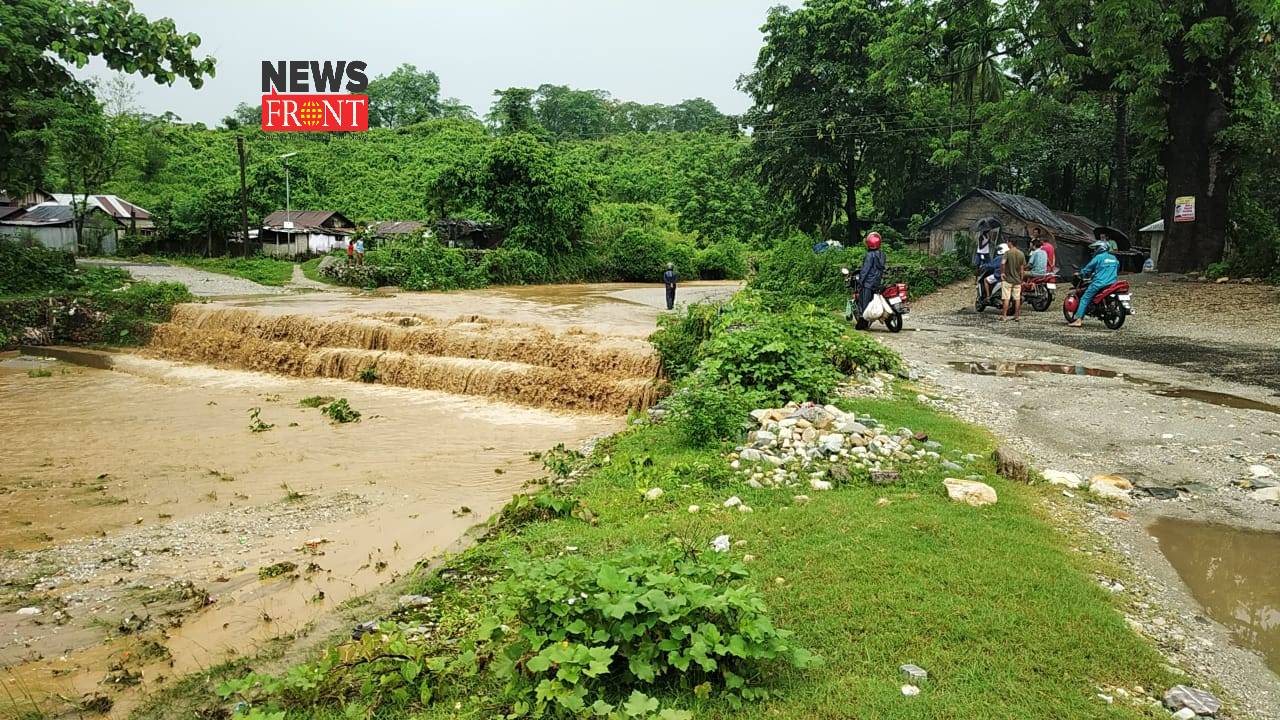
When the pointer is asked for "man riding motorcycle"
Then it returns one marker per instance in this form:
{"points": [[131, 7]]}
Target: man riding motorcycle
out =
{"points": [[1101, 271], [989, 272]]}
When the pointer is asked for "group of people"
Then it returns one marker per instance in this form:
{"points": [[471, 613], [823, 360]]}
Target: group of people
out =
{"points": [[1009, 265], [355, 251]]}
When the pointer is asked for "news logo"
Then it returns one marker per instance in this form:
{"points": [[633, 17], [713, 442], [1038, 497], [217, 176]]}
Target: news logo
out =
{"points": [[311, 96]]}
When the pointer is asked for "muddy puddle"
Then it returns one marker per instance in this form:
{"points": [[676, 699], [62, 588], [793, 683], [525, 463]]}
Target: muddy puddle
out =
{"points": [[142, 513], [1155, 387], [1233, 573]]}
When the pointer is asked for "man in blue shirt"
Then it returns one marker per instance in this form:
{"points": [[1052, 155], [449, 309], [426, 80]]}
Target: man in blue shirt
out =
{"points": [[669, 280], [1038, 260], [989, 274], [1102, 270]]}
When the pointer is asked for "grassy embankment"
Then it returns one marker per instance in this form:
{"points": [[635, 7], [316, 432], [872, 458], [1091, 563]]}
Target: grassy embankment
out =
{"points": [[262, 270], [1007, 620]]}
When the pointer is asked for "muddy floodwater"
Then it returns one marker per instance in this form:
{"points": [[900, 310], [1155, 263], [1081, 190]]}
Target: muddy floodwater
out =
{"points": [[1234, 574], [141, 509]]}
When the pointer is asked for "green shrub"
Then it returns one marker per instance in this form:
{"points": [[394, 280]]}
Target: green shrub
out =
{"points": [[315, 401], [1217, 270], [129, 311], [574, 636], [725, 260], [680, 334], [794, 352], [639, 255], [515, 266], [704, 414], [340, 412], [794, 272], [417, 264], [33, 268]]}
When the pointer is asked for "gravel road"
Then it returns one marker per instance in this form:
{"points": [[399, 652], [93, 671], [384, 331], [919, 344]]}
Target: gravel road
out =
{"points": [[200, 282], [1070, 413]]}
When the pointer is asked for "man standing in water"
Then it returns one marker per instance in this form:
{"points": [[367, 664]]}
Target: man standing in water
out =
{"points": [[669, 280]]}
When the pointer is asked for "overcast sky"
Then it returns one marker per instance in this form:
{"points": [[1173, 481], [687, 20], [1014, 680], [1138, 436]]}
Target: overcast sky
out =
{"points": [[655, 51]]}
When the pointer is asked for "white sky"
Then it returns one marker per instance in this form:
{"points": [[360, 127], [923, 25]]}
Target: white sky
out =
{"points": [[654, 51]]}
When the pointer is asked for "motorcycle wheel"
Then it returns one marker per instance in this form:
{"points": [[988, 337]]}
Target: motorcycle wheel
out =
{"points": [[893, 322], [1067, 314], [1041, 300], [979, 304], [1113, 315]]}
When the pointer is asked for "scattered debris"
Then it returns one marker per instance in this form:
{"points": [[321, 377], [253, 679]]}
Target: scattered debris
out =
{"points": [[276, 570], [414, 601]]}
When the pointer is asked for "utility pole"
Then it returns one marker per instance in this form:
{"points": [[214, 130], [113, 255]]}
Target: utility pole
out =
{"points": [[244, 198]]}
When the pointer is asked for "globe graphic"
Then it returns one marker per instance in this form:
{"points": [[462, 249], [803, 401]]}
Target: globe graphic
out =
{"points": [[310, 113]]}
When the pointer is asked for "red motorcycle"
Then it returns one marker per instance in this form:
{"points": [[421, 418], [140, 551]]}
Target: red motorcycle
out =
{"points": [[1037, 291], [1112, 304], [895, 295]]}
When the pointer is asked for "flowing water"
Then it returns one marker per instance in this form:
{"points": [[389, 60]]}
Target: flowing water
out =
{"points": [[141, 506], [1233, 573]]}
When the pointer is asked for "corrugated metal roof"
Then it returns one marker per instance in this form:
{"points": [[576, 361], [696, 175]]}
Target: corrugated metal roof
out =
{"points": [[1083, 224], [114, 205], [397, 227], [44, 215], [304, 220]]}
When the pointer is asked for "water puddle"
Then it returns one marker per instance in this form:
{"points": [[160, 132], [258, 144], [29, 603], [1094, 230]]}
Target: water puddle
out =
{"points": [[1233, 574], [1155, 387]]}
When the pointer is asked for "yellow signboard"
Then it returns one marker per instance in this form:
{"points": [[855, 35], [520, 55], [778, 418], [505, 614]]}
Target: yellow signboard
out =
{"points": [[1184, 209]]}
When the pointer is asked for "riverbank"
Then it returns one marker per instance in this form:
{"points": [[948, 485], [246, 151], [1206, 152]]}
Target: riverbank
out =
{"points": [[993, 602]]}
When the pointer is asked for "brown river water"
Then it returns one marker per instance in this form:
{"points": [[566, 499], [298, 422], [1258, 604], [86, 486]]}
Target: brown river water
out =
{"points": [[140, 507]]}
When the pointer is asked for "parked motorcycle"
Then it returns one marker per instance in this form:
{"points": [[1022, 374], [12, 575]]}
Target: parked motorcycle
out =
{"points": [[1037, 291], [1111, 305], [895, 295]]}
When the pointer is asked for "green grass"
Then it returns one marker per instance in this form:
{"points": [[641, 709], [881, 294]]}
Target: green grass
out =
{"points": [[262, 270], [990, 601], [311, 269]]}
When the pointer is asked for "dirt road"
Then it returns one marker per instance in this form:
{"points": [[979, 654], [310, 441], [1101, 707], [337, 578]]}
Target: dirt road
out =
{"points": [[200, 282], [1183, 396]]}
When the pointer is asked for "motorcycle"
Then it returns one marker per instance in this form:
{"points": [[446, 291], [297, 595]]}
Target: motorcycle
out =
{"points": [[895, 295], [1112, 304], [1037, 291]]}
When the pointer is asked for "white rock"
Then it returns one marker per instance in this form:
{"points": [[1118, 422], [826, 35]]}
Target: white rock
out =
{"points": [[653, 493], [29, 611], [800, 499], [1271, 494], [819, 484], [751, 455], [1184, 714], [970, 492], [735, 464], [910, 690], [1061, 477], [720, 543], [1110, 486], [745, 508], [748, 558], [764, 437], [694, 508], [733, 502], [1261, 471]]}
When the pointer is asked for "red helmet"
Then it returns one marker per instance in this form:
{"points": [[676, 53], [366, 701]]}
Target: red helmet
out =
{"points": [[873, 241]]}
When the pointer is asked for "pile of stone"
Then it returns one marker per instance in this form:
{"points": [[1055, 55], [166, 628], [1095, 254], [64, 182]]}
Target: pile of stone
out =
{"points": [[812, 445]]}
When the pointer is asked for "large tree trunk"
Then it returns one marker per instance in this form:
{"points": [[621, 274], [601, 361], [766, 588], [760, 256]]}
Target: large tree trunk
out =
{"points": [[1195, 166], [851, 214], [1121, 211]]}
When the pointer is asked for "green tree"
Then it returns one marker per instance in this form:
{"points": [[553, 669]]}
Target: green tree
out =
{"points": [[39, 39], [818, 110], [699, 114], [86, 154], [404, 97], [541, 202], [572, 114], [513, 111], [244, 116]]}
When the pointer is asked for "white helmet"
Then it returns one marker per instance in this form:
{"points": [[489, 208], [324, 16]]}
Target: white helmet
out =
{"points": [[1004, 248]]}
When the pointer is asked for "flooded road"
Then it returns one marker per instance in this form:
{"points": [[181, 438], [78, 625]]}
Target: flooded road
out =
{"points": [[1233, 573], [179, 505]]}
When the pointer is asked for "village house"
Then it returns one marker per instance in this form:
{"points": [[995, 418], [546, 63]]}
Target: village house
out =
{"points": [[398, 229], [304, 233], [1070, 233], [54, 227]]}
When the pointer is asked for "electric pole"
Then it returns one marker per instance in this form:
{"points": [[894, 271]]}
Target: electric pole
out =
{"points": [[244, 198]]}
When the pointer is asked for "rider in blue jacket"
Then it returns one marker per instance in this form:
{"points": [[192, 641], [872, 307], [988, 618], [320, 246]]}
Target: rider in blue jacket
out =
{"points": [[1101, 271]]}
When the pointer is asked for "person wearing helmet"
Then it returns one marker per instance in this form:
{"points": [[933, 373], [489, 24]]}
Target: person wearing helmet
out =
{"points": [[989, 271], [1101, 271], [870, 275], [669, 280]]}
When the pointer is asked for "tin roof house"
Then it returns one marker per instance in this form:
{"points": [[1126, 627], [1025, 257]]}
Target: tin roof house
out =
{"points": [[304, 233], [54, 227]]}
